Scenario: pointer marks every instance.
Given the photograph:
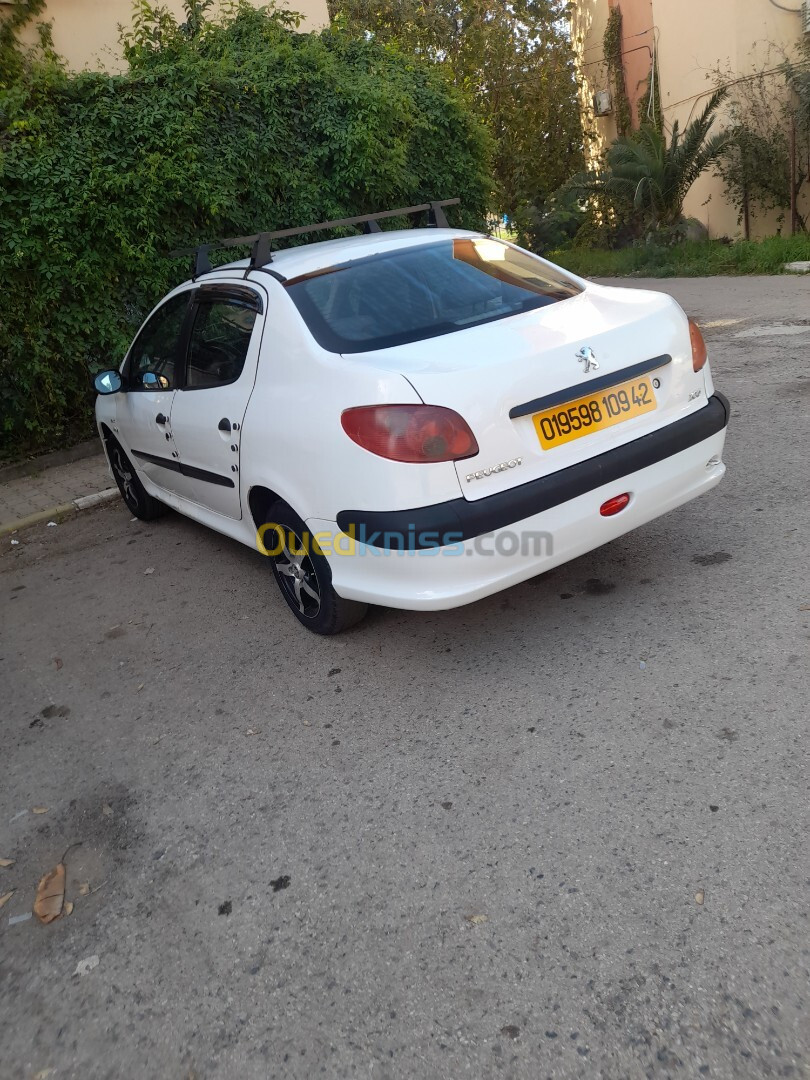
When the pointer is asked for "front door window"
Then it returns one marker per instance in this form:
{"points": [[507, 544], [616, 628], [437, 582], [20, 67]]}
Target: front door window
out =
{"points": [[152, 359]]}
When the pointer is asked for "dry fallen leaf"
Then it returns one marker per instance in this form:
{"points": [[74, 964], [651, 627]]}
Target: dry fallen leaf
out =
{"points": [[43, 1074], [50, 895], [107, 810], [699, 896], [84, 888], [58, 663], [40, 810], [6, 862], [68, 907], [250, 731], [476, 920], [6, 897], [149, 570]]}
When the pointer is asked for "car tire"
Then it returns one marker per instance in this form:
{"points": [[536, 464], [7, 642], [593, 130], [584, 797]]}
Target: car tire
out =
{"points": [[304, 577], [138, 500]]}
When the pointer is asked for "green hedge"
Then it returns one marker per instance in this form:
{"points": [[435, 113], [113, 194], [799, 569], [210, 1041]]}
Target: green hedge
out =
{"points": [[246, 126]]}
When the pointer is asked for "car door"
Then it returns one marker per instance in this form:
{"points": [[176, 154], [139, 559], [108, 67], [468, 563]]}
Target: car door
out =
{"points": [[150, 375], [210, 403]]}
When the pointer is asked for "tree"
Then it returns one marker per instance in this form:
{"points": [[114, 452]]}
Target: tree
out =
{"points": [[798, 78], [515, 63], [755, 164], [648, 178]]}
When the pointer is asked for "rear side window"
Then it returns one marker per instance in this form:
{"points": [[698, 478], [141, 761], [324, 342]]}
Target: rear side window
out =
{"points": [[219, 343], [422, 292]]}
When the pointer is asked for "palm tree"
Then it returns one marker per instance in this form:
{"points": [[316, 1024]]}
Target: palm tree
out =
{"points": [[653, 178]]}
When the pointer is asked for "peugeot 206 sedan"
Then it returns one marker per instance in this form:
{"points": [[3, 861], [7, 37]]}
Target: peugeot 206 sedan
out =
{"points": [[393, 416]]}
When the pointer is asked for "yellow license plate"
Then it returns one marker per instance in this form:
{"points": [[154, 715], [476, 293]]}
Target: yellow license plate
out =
{"points": [[594, 412]]}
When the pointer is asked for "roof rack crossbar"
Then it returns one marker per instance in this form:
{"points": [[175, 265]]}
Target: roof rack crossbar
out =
{"points": [[261, 243]]}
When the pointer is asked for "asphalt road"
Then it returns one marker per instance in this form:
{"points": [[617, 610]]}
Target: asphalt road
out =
{"points": [[468, 843]]}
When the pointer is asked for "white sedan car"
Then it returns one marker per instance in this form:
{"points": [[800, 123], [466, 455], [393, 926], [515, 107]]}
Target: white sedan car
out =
{"points": [[415, 418]]}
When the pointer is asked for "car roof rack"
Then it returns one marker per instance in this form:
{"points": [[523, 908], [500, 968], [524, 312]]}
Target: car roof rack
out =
{"points": [[262, 243]]}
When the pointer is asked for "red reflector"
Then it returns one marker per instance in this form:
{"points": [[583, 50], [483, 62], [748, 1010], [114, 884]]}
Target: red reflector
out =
{"points": [[614, 505]]}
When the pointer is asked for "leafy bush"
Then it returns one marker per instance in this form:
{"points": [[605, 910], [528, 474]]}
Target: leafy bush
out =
{"points": [[552, 225], [646, 179], [215, 130]]}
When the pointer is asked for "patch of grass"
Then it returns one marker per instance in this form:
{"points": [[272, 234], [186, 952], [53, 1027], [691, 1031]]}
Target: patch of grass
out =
{"points": [[704, 259]]}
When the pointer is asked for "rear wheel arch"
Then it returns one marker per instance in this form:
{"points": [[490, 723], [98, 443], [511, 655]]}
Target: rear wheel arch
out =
{"points": [[260, 499]]}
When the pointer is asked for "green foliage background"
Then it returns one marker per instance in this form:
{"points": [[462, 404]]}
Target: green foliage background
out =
{"points": [[217, 129], [515, 63]]}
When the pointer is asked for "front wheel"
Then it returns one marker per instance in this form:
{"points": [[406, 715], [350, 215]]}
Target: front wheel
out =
{"points": [[303, 575], [134, 494]]}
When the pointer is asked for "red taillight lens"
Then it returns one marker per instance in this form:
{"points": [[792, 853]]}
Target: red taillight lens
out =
{"points": [[698, 345], [614, 505], [414, 433]]}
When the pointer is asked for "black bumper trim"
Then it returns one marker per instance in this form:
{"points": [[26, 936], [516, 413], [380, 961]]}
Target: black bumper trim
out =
{"points": [[458, 520], [573, 393]]}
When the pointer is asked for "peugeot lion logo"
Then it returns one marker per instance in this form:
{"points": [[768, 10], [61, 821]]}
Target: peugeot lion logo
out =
{"points": [[587, 357]]}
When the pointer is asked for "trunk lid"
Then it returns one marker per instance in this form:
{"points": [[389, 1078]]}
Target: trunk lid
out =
{"points": [[486, 372]]}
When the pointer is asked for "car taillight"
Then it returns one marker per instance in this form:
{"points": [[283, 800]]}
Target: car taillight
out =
{"points": [[698, 345], [413, 433]]}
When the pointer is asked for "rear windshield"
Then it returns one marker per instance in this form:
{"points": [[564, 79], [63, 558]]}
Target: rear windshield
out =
{"points": [[422, 292]]}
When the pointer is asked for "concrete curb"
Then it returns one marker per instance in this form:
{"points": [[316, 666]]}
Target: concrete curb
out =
{"points": [[60, 512]]}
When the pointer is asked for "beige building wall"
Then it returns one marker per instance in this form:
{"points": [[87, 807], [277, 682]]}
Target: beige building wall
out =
{"points": [[589, 22], [85, 32], [693, 38]]}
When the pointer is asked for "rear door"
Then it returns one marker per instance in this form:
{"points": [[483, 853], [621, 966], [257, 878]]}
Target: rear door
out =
{"points": [[210, 403]]}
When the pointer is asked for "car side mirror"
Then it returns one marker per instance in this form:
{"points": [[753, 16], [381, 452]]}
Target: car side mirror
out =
{"points": [[107, 382]]}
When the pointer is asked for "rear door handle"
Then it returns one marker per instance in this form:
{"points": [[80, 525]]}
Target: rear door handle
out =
{"points": [[161, 419], [224, 424]]}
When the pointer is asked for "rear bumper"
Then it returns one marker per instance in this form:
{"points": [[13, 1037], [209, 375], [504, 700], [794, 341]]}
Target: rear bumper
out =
{"points": [[437, 578], [459, 520]]}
